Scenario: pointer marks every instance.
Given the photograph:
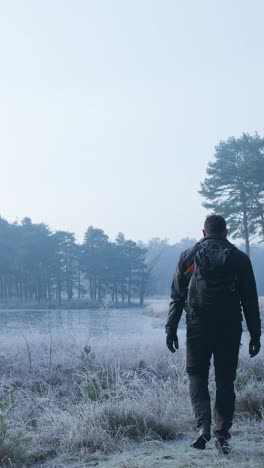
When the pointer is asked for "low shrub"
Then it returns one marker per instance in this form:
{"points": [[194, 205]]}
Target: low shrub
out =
{"points": [[136, 424], [12, 445], [250, 402]]}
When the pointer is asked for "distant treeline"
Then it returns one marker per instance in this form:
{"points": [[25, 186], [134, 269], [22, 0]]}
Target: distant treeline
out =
{"points": [[42, 266], [162, 273], [39, 265]]}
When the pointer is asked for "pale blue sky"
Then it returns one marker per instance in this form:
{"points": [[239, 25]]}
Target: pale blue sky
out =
{"points": [[110, 109]]}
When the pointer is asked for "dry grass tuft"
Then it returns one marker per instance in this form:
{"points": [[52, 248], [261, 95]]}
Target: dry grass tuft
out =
{"points": [[250, 403], [136, 425]]}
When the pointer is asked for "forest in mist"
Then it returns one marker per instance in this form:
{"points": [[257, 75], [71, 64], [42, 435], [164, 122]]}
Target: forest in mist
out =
{"points": [[38, 265], [41, 265]]}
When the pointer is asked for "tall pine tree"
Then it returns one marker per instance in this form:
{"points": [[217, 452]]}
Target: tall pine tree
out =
{"points": [[234, 185]]}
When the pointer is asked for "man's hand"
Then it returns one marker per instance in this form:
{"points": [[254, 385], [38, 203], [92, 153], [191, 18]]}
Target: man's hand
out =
{"points": [[172, 340], [254, 347]]}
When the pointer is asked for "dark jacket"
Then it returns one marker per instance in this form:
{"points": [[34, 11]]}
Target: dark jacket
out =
{"points": [[246, 297]]}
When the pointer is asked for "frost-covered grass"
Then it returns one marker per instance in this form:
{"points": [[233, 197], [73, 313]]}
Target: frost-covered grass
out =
{"points": [[157, 309], [64, 402]]}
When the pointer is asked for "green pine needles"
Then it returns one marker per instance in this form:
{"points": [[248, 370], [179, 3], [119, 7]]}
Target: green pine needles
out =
{"points": [[234, 186]]}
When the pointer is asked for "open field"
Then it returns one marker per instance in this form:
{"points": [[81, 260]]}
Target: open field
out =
{"points": [[124, 404]]}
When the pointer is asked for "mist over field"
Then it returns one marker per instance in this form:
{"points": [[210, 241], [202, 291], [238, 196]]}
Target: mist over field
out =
{"points": [[123, 125]]}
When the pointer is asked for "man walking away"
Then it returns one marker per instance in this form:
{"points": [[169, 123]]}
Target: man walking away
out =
{"points": [[214, 280]]}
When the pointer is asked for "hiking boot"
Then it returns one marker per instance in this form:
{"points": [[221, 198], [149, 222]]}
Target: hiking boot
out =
{"points": [[204, 436], [222, 444]]}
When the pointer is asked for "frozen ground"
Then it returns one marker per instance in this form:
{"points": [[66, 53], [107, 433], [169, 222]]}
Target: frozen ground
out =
{"points": [[247, 452], [179, 454], [114, 402]]}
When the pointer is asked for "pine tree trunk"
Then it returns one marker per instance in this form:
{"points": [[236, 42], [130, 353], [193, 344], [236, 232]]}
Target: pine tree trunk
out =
{"points": [[91, 287], [79, 282], [122, 293], [245, 220], [1, 287], [99, 291], [95, 287], [261, 215], [59, 294], [129, 287], [5, 289], [142, 289]]}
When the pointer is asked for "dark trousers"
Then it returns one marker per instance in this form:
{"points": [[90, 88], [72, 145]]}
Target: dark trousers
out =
{"points": [[222, 341]]}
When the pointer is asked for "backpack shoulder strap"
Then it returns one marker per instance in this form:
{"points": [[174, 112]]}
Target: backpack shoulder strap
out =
{"points": [[191, 268]]}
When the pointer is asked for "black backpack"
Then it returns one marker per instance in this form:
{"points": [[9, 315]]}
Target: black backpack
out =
{"points": [[213, 284]]}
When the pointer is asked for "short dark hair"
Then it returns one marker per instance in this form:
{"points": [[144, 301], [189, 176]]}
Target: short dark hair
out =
{"points": [[215, 224]]}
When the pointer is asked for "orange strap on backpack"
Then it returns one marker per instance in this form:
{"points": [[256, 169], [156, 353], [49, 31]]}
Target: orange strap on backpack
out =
{"points": [[190, 269]]}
